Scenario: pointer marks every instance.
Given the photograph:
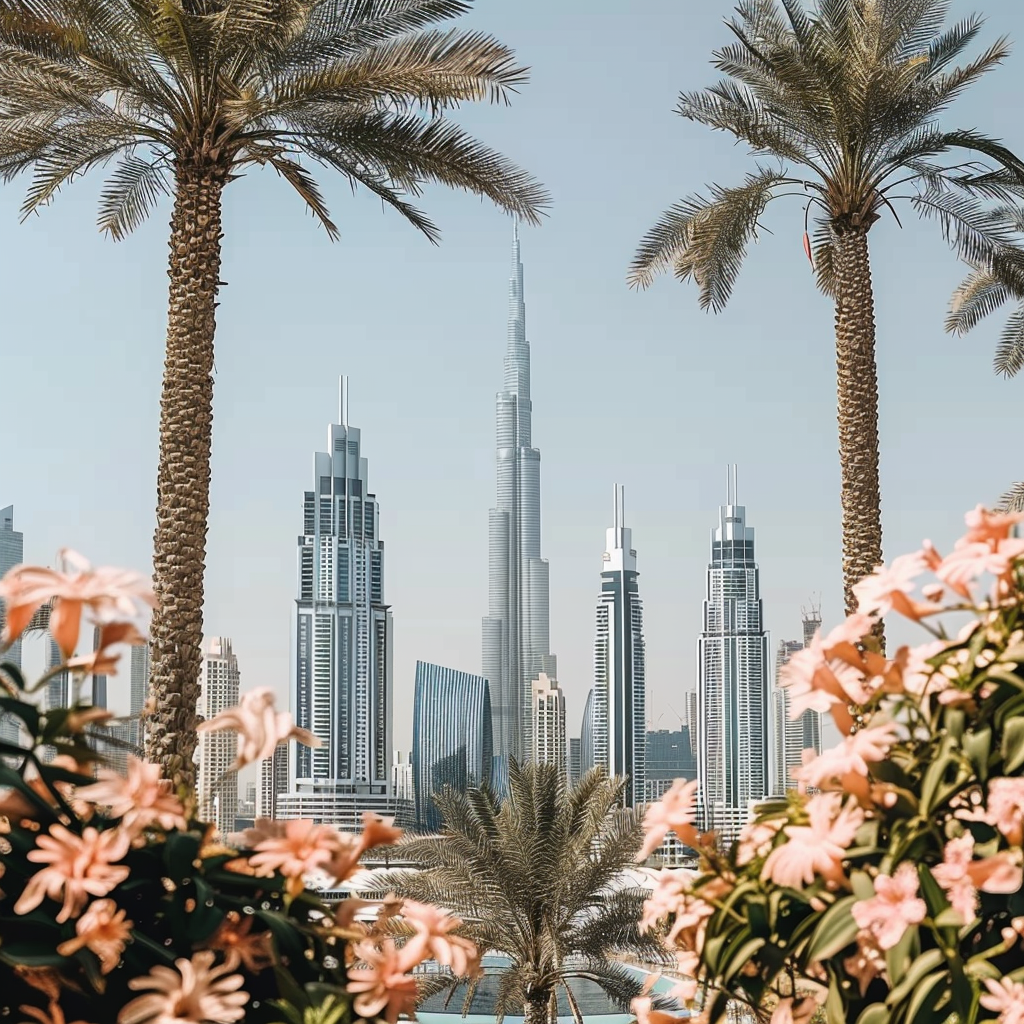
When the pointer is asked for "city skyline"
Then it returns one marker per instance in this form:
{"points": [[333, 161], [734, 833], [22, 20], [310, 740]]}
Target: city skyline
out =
{"points": [[516, 641]]}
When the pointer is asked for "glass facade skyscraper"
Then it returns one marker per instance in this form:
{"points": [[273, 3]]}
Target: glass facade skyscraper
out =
{"points": [[732, 662], [341, 686], [452, 740], [12, 553], [516, 640], [619, 704]]}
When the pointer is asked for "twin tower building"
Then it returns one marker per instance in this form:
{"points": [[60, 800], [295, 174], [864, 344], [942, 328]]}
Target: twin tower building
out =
{"points": [[467, 728]]}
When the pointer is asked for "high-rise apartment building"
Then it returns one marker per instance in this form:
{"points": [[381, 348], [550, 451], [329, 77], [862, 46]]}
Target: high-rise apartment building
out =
{"points": [[452, 740], [732, 661], [669, 757], [401, 777], [58, 693], [274, 780], [619, 707], [516, 640], [548, 732], [588, 757], [218, 787], [575, 760], [787, 736], [342, 655], [138, 679], [12, 553]]}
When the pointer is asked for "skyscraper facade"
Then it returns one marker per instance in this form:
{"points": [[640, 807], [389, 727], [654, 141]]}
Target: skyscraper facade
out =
{"points": [[12, 553], [548, 730], [732, 663], [218, 787], [669, 757], [575, 760], [619, 707], [452, 739], [273, 782], [342, 629], [516, 639], [138, 678], [787, 736]]}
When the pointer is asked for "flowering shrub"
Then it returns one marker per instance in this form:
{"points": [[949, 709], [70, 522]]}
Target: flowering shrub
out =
{"points": [[118, 905], [887, 888]]}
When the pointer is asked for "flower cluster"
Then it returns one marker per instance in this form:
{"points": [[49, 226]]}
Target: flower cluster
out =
{"points": [[887, 885], [117, 904]]}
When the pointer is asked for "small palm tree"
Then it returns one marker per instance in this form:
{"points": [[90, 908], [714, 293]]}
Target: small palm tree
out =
{"points": [[991, 284], [534, 878], [182, 96], [845, 101]]}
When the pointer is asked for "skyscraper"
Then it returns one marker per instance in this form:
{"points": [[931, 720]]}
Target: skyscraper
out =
{"points": [[138, 692], [12, 553], [218, 788], [516, 642], [619, 659], [273, 782], [669, 757], [452, 741], [588, 758], [787, 736], [575, 760], [99, 683], [548, 730], [342, 628], [732, 664]]}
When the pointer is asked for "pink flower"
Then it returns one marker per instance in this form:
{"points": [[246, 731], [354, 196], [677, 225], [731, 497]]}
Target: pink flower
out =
{"points": [[78, 867], [966, 562], [989, 527], [960, 876], [918, 677], [755, 840], [795, 1011], [104, 930], [301, 848], [141, 800], [666, 899], [381, 983], [894, 908], [434, 933], [1006, 998], [818, 848], [111, 595], [1005, 810], [852, 755], [195, 993], [260, 727], [878, 592], [102, 661], [673, 812]]}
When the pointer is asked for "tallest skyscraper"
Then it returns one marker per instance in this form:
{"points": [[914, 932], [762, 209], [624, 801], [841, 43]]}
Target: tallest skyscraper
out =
{"points": [[516, 642]]}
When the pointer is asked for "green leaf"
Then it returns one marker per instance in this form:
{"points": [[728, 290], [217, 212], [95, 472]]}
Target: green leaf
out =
{"points": [[977, 745], [739, 956], [922, 965], [876, 1013], [1013, 745], [835, 931], [926, 998], [902, 955]]}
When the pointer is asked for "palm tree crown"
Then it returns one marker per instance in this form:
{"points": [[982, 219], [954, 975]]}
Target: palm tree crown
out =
{"points": [[534, 877], [181, 96], [845, 100], [357, 86]]}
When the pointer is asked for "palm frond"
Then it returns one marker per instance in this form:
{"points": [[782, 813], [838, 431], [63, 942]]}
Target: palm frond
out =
{"points": [[1009, 356], [706, 239], [1012, 500], [978, 295], [306, 186], [130, 193]]}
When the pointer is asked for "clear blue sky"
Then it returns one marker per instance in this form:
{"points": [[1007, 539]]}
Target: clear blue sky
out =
{"points": [[642, 389]]}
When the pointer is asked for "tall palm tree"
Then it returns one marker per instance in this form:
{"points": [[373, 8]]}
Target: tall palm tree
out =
{"points": [[533, 877], [991, 284], [182, 96], [844, 99]]}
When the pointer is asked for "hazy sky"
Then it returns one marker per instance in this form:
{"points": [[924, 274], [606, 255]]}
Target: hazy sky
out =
{"points": [[641, 389]]}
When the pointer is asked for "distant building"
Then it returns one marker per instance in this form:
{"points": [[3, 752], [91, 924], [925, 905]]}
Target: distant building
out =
{"points": [[588, 759], [99, 683], [401, 776], [734, 757], [138, 692], [218, 786], [548, 732], [787, 736], [12, 553], [619, 705], [669, 757], [575, 760], [274, 781], [451, 736], [515, 631], [57, 692], [343, 640]]}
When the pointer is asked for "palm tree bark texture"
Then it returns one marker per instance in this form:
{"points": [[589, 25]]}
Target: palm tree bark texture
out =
{"points": [[857, 394], [183, 476]]}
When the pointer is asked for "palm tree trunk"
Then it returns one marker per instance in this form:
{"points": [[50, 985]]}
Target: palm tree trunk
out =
{"points": [[857, 389], [538, 1007], [183, 478]]}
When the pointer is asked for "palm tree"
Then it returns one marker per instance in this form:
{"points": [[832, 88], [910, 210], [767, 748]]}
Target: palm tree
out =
{"points": [[844, 100], [182, 96], [989, 285], [532, 877]]}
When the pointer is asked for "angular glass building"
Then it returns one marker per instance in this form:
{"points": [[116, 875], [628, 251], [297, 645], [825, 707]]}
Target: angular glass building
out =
{"points": [[452, 741], [619, 693], [732, 664], [341, 684], [516, 641]]}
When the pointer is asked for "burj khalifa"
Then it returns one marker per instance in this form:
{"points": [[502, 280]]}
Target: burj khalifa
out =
{"points": [[516, 642]]}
